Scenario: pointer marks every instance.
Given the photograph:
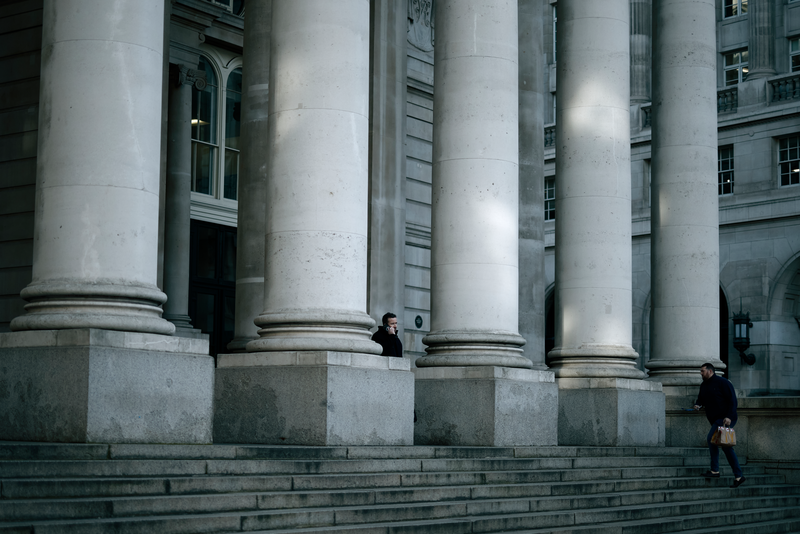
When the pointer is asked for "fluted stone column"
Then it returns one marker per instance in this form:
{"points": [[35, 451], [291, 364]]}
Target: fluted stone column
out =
{"points": [[388, 160], [593, 355], [685, 222], [474, 355], [314, 329], [177, 226], [531, 181], [89, 357], [252, 174], [641, 50], [761, 46]]}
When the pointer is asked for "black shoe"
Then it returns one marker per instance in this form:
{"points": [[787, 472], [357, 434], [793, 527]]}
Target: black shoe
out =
{"points": [[737, 482], [709, 474]]}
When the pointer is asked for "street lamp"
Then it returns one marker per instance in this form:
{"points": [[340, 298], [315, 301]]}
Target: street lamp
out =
{"points": [[741, 335]]}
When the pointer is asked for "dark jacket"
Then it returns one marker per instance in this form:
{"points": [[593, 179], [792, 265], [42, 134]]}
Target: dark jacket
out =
{"points": [[718, 398], [392, 346]]}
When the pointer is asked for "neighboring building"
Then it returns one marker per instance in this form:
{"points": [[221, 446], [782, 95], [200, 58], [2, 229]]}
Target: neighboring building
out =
{"points": [[205, 64]]}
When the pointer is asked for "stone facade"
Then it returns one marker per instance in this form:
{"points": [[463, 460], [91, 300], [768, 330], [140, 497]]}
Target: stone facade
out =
{"points": [[349, 202]]}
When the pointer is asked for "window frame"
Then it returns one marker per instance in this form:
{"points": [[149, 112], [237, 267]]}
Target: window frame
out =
{"points": [[737, 8], [794, 54], [220, 147], [741, 67], [549, 201], [726, 160], [792, 167]]}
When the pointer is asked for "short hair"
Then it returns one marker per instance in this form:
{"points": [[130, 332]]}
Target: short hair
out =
{"points": [[387, 316], [707, 366]]}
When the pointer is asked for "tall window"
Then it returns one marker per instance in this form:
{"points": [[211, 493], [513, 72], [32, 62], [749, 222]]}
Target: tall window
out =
{"points": [[233, 122], [733, 8], [735, 67], [794, 54], [216, 126], [725, 170], [204, 131], [550, 198], [789, 160]]}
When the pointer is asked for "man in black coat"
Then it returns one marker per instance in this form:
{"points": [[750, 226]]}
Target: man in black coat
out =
{"points": [[718, 398], [387, 336]]}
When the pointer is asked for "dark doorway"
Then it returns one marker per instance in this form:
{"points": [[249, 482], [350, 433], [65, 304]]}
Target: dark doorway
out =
{"points": [[549, 324], [723, 330], [212, 282]]}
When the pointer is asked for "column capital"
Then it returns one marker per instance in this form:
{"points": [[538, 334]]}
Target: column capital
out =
{"points": [[182, 75]]}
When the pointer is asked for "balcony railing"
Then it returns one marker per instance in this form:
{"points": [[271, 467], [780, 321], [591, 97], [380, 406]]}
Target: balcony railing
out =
{"points": [[550, 136], [646, 117], [785, 88], [727, 99]]}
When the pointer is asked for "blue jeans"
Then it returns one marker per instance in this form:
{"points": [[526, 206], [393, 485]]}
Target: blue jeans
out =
{"points": [[730, 454]]}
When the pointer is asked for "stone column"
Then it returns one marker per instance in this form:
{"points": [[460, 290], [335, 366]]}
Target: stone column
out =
{"points": [[593, 355], [178, 200], [387, 216], [252, 174], [685, 219], [474, 355], [314, 330], [531, 181], [641, 50], [761, 46], [96, 227], [89, 357]]}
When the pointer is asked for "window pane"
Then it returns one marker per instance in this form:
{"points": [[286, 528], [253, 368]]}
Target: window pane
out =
{"points": [[204, 106], [732, 77], [731, 59], [794, 45], [231, 174], [796, 63], [233, 109], [202, 167]]}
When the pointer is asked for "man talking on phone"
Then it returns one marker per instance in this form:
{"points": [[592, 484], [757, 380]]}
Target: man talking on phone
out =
{"points": [[386, 336]]}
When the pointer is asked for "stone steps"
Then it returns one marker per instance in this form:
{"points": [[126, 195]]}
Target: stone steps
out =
{"points": [[176, 489]]}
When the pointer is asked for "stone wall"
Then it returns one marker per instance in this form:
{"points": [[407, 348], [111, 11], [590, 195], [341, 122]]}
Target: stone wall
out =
{"points": [[20, 57]]}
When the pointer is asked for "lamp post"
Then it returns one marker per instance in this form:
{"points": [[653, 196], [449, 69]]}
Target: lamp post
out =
{"points": [[741, 335]]}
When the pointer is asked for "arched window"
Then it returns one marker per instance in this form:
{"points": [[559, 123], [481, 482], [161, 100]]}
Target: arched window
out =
{"points": [[216, 126], [204, 131], [233, 121]]}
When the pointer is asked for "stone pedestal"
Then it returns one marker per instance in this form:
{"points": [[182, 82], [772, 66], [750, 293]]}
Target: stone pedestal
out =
{"points": [[91, 385], [610, 412], [314, 398], [485, 407]]}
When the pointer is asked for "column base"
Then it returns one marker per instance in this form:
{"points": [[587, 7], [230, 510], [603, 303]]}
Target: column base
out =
{"points": [[485, 407], [183, 326], [313, 398], [610, 412], [102, 386], [679, 373]]}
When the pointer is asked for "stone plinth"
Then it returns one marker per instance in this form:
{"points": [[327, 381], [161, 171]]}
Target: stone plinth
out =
{"points": [[610, 412], [485, 406], [313, 398], [92, 385]]}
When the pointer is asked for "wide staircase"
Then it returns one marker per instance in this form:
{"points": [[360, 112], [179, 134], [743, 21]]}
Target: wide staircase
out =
{"points": [[140, 489]]}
